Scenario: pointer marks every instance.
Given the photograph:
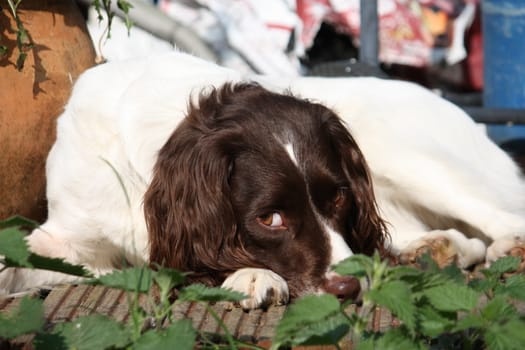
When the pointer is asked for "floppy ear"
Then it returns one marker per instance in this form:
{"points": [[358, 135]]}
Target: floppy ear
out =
{"points": [[368, 230], [187, 207]]}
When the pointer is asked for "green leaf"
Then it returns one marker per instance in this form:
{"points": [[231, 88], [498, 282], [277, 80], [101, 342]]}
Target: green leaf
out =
{"points": [[88, 332], [484, 285], [433, 322], [57, 265], [470, 321], [503, 265], [200, 292], [124, 5], [180, 335], [357, 265], [49, 341], [396, 296], [14, 247], [498, 309], [28, 317], [452, 297], [454, 273], [513, 286], [393, 339], [507, 336], [403, 272], [396, 339], [328, 331], [17, 221], [314, 319], [425, 280], [168, 278], [137, 279], [428, 264]]}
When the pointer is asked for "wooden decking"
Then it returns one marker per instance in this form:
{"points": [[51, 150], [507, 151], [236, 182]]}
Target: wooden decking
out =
{"points": [[66, 303]]}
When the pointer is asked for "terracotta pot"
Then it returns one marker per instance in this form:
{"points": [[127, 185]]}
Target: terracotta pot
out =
{"points": [[32, 99]]}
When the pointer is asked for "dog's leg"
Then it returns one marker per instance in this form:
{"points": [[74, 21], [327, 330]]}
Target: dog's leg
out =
{"points": [[446, 196]]}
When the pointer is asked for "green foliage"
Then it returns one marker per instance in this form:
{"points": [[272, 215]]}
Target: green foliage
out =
{"points": [[104, 6], [137, 279], [16, 253], [14, 247], [312, 320], [26, 318], [437, 308], [23, 39], [199, 292], [86, 332], [179, 335], [452, 297]]}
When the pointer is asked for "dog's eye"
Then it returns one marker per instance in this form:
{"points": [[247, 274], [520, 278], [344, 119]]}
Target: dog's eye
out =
{"points": [[340, 197], [272, 219]]}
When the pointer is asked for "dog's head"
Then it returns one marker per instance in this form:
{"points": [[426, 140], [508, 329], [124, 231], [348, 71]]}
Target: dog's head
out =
{"points": [[252, 178]]}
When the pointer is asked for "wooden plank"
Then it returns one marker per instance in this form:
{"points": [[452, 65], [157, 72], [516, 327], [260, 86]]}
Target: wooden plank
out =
{"points": [[55, 299], [196, 313], [109, 302], [269, 321], [180, 309], [71, 300], [232, 318], [257, 326], [209, 324], [248, 325], [89, 302]]}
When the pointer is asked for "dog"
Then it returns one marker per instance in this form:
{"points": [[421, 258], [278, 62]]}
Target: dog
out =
{"points": [[261, 184]]}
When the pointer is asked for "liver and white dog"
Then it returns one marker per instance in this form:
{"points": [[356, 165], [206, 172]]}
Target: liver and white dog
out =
{"points": [[261, 187]]}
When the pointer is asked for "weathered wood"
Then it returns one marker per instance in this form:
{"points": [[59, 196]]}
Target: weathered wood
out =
{"points": [[66, 303]]}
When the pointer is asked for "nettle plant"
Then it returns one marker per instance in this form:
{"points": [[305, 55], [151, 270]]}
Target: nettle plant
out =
{"points": [[23, 39], [436, 308]]}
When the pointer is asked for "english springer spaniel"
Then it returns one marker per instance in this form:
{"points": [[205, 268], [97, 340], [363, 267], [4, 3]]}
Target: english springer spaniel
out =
{"points": [[258, 183]]}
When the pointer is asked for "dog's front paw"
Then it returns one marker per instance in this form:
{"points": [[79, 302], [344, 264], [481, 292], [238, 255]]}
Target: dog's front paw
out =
{"points": [[446, 248], [263, 287], [441, 249], [513, 246]]}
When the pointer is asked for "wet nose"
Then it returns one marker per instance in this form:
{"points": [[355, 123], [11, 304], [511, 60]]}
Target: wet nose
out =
{"points": [[343, 287]]}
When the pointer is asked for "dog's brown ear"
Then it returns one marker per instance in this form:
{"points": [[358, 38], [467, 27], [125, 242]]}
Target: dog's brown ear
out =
{"points": [[368, 230], [187, 206]]}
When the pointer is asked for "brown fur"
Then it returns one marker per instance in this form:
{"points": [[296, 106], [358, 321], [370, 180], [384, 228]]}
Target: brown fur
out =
{"points": [[223, 168]]}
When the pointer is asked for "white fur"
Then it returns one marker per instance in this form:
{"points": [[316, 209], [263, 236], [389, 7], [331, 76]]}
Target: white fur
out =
{"points": [[429, 162], [263, 287], [340, 250]]}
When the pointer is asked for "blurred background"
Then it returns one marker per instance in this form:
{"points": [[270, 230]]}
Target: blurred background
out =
{"points": [[471, 52]]}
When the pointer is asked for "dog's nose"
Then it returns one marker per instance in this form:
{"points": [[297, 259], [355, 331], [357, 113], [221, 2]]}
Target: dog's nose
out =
{"points": [[343, 287]]}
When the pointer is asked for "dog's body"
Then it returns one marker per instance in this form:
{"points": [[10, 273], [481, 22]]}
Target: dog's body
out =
{"points": [[437, 178]]}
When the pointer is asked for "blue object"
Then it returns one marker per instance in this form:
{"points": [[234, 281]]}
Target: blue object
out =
{"points": [[504, 53], [503, 28]]}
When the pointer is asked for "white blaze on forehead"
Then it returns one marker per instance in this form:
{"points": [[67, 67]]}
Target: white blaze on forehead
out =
{"points": [[338, 247], [291, 153], [339, 250]]}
